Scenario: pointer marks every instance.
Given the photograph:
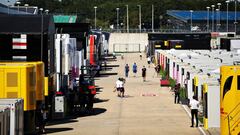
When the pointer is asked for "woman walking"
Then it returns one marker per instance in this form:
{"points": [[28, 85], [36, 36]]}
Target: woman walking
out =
{"points": [[144, 70]]}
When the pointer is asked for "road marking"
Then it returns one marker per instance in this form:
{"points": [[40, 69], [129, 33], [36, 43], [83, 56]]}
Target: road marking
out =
{"points": [[200, 128]]}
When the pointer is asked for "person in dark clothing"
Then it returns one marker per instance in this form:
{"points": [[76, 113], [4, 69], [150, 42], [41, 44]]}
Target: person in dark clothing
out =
{"points": [[158, 69], [126, 70], [194, 104], [177, 93], [144, 70]]}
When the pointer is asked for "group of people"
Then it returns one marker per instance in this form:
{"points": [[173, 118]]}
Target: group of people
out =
{"points": [[135, 69], [193, 104]]}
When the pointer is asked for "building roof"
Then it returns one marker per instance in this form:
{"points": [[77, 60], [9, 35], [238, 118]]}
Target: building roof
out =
{"points": [[202, 15]]}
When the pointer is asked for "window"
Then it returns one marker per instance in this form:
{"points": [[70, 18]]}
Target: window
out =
{"points": [[196, 92], [205, 105], [227, 85], [193, 85], [188, 75], [32, 78], [12, 79]]}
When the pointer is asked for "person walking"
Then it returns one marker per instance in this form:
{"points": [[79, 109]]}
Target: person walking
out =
{"points": [[177, 93], [134, 69], [122, 90], [158, 69], [144, 70], [149, 61], [126, 70], [140, 55], [119, 85], [122, 57], [194, 104]]}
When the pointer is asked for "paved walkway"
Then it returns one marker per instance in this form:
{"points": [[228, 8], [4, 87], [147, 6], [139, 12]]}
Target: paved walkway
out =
{"points": [[152, 114]]}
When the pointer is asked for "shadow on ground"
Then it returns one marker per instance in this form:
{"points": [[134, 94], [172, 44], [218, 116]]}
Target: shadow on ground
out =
{"points": [[55, 130], [98, 88], [61, 121], [95, 111], [107, 74], [112, 66], [97, 100], [125, 96], [72, 118]]}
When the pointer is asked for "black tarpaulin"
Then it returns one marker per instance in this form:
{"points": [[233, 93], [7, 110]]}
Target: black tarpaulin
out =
{"points": [[26, 24]]}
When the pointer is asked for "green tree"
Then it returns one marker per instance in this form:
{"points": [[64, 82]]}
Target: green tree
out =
{"points": [[106, 11]]}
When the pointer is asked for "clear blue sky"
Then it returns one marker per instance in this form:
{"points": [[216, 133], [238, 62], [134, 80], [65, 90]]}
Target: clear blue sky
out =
{"points": [[5, 2]]}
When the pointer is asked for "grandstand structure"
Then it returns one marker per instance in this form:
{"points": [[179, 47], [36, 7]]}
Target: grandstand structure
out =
{"points": [[181, 19], [4, 9], [32, 10]]}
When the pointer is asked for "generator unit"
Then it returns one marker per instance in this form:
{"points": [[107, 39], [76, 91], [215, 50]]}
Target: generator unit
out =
{"points": [[19, 81]]}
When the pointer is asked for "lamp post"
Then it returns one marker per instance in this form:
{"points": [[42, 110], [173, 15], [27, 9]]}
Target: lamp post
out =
{"points": [[219, 7], [26, 6], [227, 15], [140, 23], [117, 18], [18, 3], [152, 18], [208, 8], [46, 11], [127, 20], [8, 6], [95, 20], [41, 10], [213, 6], [235, 18], [191, 11], [218, 19]]}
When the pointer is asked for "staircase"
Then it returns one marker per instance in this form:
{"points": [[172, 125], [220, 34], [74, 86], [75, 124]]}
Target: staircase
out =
{"points": [[234, 121]]}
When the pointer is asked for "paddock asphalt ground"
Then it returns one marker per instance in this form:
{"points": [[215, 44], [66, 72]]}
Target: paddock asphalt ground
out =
{"points": [[146, 109]]}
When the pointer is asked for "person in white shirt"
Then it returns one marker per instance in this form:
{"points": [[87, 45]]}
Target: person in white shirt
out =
{"points": [[120, 88], [149, 61], [194, 104]]}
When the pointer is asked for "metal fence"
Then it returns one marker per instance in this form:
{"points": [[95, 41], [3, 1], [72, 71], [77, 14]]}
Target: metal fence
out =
{"points": [[181, 30], [150, 30], [126, 48]]}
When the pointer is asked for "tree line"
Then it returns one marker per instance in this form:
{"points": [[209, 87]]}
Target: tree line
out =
{"points": [[107, 14]]}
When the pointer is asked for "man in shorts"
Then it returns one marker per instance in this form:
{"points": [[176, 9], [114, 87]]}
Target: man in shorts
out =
{"points": [[120, 87]]}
